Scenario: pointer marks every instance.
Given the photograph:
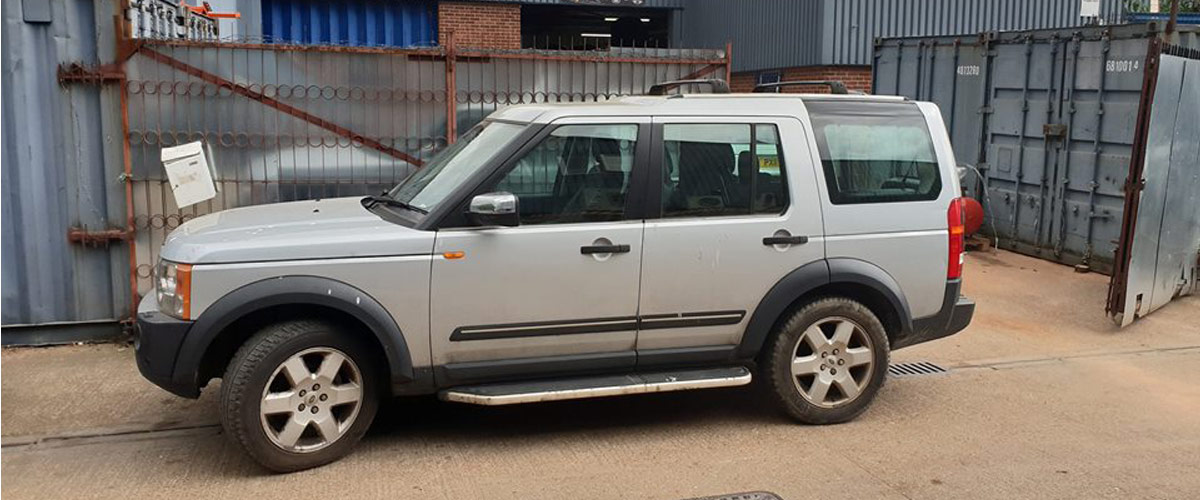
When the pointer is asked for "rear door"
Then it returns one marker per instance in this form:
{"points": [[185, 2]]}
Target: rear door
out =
{"points": [[737, 211]]}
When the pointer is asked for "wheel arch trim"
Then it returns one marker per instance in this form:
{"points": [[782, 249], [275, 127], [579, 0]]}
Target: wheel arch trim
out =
{"points": [[293, 290], [809, 277], [861, 272]]}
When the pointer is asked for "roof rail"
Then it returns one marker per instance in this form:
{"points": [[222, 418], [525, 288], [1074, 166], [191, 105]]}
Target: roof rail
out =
{"points": [[718, 85], [835, 86]]}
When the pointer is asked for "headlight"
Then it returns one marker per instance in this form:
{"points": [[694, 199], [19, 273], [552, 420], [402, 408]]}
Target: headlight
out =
{"points": [[173, 288]]}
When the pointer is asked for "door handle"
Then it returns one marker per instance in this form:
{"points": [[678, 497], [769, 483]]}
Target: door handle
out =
{"points": [[785, 240], [592, 249]]}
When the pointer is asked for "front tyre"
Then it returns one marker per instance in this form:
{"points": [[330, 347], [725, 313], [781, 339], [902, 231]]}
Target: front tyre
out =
{"points": [[827, 361], [299, 394]]}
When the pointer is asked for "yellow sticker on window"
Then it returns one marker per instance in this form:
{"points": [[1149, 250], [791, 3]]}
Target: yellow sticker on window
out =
{"points": [[768, 164]]}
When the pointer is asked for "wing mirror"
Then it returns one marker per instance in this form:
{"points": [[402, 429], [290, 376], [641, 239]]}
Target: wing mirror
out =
{"points": [[494, 209]]}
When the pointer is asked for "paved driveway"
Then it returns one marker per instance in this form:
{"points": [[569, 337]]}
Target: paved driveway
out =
{"points": [[1043, 398]]}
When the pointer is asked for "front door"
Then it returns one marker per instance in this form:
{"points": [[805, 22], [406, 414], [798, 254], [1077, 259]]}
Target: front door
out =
{"points": [[738, 211], [559, 292]]}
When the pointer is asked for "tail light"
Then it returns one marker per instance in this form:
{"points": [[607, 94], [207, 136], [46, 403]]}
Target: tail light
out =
{"points": [[955, 220]]}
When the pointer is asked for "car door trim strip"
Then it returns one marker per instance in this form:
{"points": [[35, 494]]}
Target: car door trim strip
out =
{"points": [[597, 325]]}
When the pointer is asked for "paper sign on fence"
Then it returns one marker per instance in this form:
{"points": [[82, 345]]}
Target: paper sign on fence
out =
{"points": [[189, 174]]}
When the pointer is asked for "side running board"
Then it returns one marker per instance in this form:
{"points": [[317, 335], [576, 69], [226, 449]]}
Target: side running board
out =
{"points": [[596, 387]]}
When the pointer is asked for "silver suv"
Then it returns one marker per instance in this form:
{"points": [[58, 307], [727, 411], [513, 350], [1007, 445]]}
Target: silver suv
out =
{"points": [[645, 244]]}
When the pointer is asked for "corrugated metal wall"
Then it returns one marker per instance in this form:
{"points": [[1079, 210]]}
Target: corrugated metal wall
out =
{"points": [[60, 168], [765, 33], [773, 34], [350, 22], [857, 23]]}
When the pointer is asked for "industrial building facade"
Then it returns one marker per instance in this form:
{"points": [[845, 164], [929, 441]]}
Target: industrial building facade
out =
{"points": [[772, 40]]}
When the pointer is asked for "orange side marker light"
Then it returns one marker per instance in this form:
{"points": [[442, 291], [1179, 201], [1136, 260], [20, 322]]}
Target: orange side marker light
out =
{"points": [[453, 255]]}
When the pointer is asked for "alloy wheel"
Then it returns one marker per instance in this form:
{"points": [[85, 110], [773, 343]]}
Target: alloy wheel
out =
{"points": [[311, 400], [832, 362]]}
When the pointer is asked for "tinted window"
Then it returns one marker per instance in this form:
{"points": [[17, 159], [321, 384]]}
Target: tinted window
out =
{"points": [[711, 169], [875, 152], [580, 173]]}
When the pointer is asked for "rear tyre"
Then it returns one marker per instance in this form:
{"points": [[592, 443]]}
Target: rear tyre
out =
{"points": [[826, 361], [299, 394]]}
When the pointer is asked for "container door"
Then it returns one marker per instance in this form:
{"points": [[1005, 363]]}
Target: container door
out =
{"points": [[1163, 242]]}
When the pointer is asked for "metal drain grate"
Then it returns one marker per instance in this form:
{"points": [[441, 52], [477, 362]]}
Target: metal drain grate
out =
{"points": [[910, 369], [752, 495]]}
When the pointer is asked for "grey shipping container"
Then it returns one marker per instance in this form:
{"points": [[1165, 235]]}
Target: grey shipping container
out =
{"points": [[1049, 117]]}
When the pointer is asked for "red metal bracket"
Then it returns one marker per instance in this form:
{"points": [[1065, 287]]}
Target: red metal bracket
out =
{"points": [[78, 73], [81, 236]]}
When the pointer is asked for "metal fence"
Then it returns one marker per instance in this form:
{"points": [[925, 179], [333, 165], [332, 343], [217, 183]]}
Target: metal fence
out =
{"points": [[291, 122]]}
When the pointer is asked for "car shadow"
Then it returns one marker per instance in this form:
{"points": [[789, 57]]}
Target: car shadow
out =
{"points": [[434, 419]]}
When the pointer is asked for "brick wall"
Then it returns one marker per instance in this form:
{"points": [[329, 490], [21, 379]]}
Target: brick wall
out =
{"points": [[855, 77], [480, 25]]}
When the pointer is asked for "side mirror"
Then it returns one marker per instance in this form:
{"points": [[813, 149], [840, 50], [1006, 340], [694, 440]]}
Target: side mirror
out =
{"points": [[494, 209]]}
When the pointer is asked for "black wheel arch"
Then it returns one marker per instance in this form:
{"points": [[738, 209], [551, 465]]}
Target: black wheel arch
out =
{"points": [[848, 277], [314, 293]]}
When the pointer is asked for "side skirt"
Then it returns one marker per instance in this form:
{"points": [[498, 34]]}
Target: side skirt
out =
{"points": [[594, 387]]}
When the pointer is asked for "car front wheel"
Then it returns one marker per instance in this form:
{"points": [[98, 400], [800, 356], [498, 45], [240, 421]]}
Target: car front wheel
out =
{"points": [[827, 361], [299, 394]]}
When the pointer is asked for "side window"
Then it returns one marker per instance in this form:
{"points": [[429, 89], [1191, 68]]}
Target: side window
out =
{"points": [[580, 173], [875, 152], [722, 169]]}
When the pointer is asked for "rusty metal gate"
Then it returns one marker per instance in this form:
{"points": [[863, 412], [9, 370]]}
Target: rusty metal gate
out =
{"points": [[291, 122]]}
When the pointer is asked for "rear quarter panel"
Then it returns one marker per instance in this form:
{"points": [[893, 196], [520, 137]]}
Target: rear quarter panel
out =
{"points": [[908, 240]]}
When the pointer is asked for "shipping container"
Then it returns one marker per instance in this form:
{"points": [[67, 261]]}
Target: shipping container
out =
{"points": [[770, 34], [1049, 118]]}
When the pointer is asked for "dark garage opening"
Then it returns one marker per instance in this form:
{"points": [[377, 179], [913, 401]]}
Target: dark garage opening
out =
{"points": [[584, 28]]}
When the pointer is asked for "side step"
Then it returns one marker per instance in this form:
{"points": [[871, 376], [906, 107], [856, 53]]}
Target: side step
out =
{"points": [[596, 387]]}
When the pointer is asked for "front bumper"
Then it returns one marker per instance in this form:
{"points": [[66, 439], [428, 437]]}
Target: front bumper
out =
{"points": [[157, 338]]}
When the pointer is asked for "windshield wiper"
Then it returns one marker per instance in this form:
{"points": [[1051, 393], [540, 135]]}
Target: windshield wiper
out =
{"points": [[375, 199]]}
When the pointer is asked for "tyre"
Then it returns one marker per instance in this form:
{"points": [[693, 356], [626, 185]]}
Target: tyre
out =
{"points": [[826, 361], [299, 394]]}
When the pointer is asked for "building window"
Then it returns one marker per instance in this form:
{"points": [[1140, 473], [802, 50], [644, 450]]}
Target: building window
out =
{"points": [[769, 77]]}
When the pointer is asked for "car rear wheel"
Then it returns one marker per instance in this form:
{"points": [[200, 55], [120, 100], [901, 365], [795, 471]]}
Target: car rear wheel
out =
{"points": [[827, 361], [299, 394]]}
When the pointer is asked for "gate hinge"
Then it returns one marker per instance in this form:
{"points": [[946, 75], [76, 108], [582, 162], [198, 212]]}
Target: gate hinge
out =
{"points": [[82, 236], [78, 73]]}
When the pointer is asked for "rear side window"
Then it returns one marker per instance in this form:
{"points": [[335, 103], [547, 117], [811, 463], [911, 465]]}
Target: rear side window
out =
{"points": [[875, 152], [722, 169]]}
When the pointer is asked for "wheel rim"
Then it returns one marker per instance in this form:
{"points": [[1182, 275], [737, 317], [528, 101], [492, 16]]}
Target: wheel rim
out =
{"points": [[311, 400], [832, 362]]}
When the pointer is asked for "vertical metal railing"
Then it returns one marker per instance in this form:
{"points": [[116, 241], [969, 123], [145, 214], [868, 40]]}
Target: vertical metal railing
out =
{"points": [[166, 19]]}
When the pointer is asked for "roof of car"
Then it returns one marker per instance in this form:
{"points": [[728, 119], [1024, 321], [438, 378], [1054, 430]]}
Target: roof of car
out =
{"points": [[679, 104]]}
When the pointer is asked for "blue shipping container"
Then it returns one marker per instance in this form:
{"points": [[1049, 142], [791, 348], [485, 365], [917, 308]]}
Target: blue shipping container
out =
{"points": [[379, 23]]}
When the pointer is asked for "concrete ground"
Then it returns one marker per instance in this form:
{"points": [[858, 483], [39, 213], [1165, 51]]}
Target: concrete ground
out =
{"points": [[1044, 399]]}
